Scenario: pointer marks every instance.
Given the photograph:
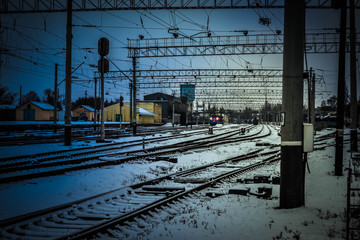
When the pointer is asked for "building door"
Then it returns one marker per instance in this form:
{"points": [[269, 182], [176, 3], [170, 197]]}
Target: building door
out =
{"points": [[118, 117], [29, 114]]}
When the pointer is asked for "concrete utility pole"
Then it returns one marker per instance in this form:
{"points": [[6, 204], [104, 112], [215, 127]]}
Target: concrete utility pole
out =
{"points": [[68, 75], [353, 87], [134, 95], [131, 104], [120, 115], [55, 98], [312, 97], [173, 108], [292, 165], [103, 67], [341, 94], [86, 97], [95, 105], [20, 100], [309, 83], [102, 83]]}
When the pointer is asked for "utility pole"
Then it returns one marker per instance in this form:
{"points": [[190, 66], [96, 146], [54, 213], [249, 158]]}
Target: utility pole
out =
{"points": [[292, 179], [131, 104], [309, 83], [312, 97], [102, 128], [86, 97], [20, 100], [103, 67], [353, 87], [121, 104], [191, 113], [55, 97], [68, 75], [203, 112], [95, 105], [173, 108], [341, 94], [134, 95]]}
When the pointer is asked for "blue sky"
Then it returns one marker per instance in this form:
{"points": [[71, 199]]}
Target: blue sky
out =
{"points": [[37, 42]]}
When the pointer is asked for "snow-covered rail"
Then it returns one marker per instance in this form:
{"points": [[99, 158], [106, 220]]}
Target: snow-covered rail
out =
{"points": [[87, 217], [92, 158]]}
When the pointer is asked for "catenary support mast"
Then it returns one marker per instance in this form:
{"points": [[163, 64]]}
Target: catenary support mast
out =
{"points": [[341, 95], [68, 74], [292, 165], [353, 87]]}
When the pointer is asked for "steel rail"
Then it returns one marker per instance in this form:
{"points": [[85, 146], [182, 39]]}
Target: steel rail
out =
{"points": [[90, 232], [175, 148], [21, 220]]}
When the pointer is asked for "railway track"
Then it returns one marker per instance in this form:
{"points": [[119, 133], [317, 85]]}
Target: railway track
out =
{"points": [[80, 135], [18, 170], [48, 156], [105, 215], [99, 214]]}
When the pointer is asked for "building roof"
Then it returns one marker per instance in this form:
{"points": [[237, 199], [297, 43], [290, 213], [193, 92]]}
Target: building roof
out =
{"points": [[145, 112], [87, 107], [141, 111], [44, 106]]}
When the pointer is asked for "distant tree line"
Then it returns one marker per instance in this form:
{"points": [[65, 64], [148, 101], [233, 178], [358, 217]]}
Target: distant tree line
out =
{"points": [[10, 98], [330, 105]]}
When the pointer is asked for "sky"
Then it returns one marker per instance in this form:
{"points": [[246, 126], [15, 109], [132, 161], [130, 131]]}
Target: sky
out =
{"points": [[34, 42]]}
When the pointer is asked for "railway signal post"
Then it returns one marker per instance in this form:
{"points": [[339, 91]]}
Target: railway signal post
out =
{"points": [[121, 103], [103, 67], [292, 165]]}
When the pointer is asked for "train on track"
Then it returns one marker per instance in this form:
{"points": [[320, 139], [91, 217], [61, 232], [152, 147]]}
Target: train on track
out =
{"points": [[215, 119]]}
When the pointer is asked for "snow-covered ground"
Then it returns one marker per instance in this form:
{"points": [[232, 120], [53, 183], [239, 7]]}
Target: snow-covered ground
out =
{"points": [[200, 217]]}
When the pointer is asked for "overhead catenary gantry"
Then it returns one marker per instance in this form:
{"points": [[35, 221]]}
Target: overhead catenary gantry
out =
{"points": [[172, 78], [221, 85], [193, 73], [21, 6], [211, 82], [230, 45]]}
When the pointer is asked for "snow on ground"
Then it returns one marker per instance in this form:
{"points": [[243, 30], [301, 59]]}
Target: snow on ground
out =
{"points": [[201, 217]]}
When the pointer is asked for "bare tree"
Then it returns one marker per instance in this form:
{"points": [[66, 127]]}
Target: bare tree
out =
{"points": [[31, 96], [7, 97]]}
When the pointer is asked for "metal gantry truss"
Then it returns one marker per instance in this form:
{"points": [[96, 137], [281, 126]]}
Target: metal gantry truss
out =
{"points": [[21, 6], [212, 82], [229, 45], [233, 88], [202, 78], [194, 73]]}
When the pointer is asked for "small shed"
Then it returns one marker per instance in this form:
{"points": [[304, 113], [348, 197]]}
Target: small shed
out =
{"points": [[84, 112], [7, 113], [35, 111], [143, 116]]}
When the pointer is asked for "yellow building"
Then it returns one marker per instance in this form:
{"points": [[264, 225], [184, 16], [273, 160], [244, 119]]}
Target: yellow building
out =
{"points": [[152, 107], [35, 111], [147, 113], [84, 112]]}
